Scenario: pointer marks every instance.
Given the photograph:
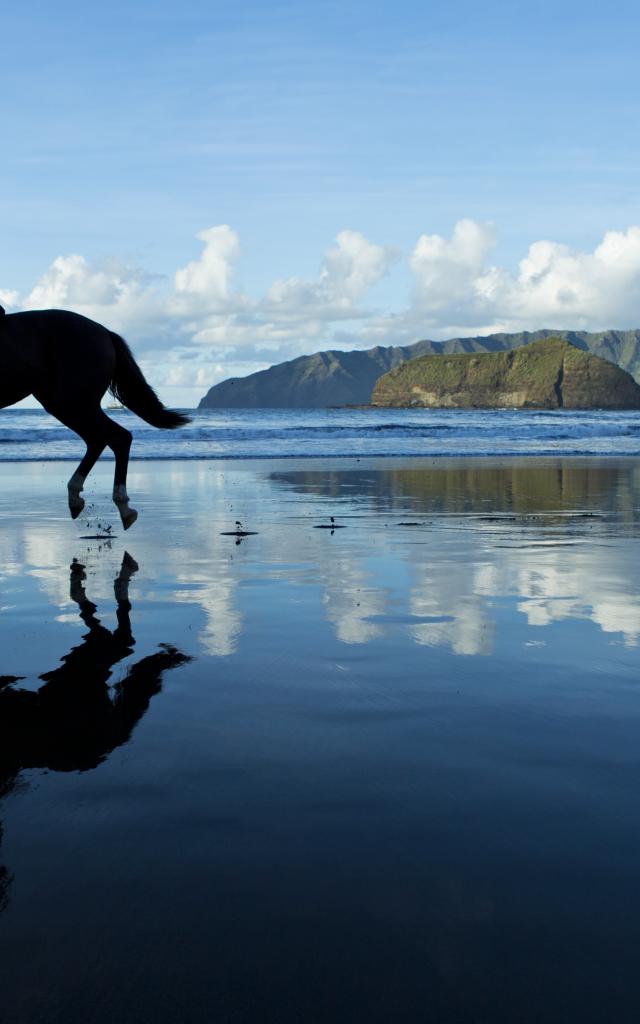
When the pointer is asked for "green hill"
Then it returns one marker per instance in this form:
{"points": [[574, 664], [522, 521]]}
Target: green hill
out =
{"points": [[547, 374], [347, 378]]}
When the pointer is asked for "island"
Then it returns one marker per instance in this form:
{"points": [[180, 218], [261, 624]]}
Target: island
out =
{"points": [[547, 374]]}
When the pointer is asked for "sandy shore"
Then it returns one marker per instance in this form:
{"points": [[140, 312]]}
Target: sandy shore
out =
{"points": [[382, 772]]}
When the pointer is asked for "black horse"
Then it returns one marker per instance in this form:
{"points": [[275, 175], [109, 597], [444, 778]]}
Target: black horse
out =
{"points": [[67, 363]]}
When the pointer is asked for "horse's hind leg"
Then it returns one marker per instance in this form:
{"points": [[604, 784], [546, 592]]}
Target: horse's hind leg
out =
{"points": [[106, 432], [84, 421], [119, 440], [97, 431]]}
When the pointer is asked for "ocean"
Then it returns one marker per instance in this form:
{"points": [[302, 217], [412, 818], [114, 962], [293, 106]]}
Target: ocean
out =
{"points": [[29, 435]]}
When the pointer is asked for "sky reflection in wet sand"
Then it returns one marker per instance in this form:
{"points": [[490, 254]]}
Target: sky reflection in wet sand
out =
{"points": [[387, 773]]}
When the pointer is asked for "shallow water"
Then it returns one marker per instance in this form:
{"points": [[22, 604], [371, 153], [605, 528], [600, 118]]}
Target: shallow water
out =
{"points": [[389, 772]]}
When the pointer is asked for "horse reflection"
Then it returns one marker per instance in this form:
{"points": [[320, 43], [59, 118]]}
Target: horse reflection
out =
{"points": [[75, 720]]}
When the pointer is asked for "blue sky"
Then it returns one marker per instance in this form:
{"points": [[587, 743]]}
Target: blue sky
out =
{"points": [[130, 129]]}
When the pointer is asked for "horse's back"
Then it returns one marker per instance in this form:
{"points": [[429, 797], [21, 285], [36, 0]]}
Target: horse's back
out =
{"points": [[60, 324]]}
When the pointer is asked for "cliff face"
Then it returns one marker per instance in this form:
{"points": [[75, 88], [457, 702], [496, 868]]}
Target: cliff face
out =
{"points": [[347, 378], [548, 374]]}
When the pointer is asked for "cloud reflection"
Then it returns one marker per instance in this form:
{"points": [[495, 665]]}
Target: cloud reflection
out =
{"points": [[543, 540], [75, 717]]}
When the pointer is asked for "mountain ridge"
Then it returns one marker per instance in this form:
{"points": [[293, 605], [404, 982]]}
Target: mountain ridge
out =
{"points": [[335, 377]]}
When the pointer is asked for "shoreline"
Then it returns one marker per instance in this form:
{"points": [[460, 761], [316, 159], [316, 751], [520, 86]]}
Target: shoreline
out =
{"points": [[253, 461], [161, 480]]}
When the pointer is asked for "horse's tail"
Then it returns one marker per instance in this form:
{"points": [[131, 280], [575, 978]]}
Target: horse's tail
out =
{"points": [[129, 387]]}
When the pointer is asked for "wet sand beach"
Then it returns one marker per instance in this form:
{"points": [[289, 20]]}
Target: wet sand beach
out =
{"points": [[386, 772]]}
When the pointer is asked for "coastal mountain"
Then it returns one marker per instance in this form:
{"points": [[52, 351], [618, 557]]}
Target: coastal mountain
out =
{"points": [[547, 374], [348, 378]]}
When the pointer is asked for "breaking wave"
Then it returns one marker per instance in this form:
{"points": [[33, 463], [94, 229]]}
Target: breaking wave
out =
{"points": [[28, 435]]}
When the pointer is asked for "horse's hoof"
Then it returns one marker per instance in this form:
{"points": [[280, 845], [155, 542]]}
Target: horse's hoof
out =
{"points": [[129, 517], [76, 508]]}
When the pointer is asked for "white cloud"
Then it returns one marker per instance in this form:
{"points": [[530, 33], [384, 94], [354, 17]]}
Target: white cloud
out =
{"points": [[200, 321], [446, 270], [70, 281], [9, 299], [457, 292], [209, 277], [348, 272], [125, 298], [561, 287], [555, 286]]}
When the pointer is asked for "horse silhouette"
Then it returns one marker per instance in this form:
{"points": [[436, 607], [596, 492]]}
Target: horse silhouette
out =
{"points": [[68, 362], [75, 720]]}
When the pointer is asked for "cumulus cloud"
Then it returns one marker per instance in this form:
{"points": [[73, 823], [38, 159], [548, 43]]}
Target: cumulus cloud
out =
{"points": [[199, 321], [554, 286], [561, 287], [209, 277], [457, 291], [446, 270], [124, 297], [348, 272], [9, 299]]}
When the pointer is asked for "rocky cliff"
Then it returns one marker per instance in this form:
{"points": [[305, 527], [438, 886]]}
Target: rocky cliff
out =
{"points": [[547, 374]]}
